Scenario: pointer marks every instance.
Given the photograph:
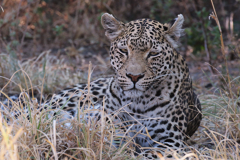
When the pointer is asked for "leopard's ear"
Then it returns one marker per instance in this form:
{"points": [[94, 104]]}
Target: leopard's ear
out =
{"points": [[112, 26], [173, 30]]}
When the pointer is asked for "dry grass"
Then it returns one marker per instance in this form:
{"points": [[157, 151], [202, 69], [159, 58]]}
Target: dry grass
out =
{"points": [[46, 71], [43, 139], [218, 136]]}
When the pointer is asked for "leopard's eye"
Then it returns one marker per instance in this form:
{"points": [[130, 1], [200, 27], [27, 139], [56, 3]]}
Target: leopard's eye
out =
{"points": [[124, 51], [153, 53]]}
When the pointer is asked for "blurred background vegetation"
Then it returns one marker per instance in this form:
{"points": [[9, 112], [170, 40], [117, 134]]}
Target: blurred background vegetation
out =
{"points": [[29, 27]]}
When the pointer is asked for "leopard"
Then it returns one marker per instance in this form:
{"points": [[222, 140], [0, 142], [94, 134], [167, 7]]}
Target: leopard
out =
{"points": [[151, 90]]}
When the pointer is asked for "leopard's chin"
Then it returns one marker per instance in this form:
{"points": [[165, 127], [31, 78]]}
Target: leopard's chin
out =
{"points": [[133, 92]]}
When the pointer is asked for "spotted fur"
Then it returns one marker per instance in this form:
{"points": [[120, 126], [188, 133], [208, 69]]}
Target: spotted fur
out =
{"points": [[152, 82]]}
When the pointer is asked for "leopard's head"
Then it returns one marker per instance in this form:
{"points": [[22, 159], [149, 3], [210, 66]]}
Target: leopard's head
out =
{"points": [[142, 50]]}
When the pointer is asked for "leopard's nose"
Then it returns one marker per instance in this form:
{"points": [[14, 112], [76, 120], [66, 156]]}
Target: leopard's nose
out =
{"points": [[134, 78]]}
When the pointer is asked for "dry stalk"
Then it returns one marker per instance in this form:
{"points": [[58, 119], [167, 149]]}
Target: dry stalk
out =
{"points": [[214, 16]]}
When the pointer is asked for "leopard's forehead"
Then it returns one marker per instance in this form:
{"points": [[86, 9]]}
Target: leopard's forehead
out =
{"points": [[141, 35], [145, 28]]}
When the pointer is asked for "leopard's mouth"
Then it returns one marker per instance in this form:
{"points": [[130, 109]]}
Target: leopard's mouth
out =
{"points": [[135, 88]]}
